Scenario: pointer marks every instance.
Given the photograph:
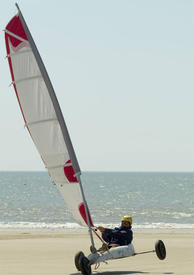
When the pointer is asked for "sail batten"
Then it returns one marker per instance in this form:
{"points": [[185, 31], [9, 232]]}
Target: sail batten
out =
{"points": [[17, 53], [43, 116], [27, 79], [40, 121], [16, 36]]}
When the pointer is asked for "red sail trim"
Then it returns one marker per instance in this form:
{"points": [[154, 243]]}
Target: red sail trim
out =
{"points": [[15, 26], [83, 214], [18, 30], [69, 172], [12, 76]]}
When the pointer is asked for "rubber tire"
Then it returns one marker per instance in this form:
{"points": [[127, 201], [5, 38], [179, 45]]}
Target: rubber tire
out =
{"points": [[160, 250], [77, 258], [85, 268]]}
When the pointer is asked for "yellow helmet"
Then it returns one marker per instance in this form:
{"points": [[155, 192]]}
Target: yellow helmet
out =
{"points": [[127, 219]]}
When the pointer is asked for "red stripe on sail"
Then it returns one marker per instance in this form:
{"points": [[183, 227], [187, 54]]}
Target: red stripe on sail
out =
{"points": [[69, 172], [83, 214], [15, 26]]}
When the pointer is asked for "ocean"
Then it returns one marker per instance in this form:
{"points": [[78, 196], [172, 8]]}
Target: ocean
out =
{"points": [[155, 200]]}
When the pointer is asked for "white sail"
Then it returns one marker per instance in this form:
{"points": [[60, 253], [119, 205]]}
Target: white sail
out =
{"points": [[43, 117]]}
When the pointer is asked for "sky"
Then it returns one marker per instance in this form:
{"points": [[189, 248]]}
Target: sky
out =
{"points": [[123, 75]]}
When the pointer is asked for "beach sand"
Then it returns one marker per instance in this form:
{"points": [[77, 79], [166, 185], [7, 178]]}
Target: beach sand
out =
{"points": [[52, 253]]}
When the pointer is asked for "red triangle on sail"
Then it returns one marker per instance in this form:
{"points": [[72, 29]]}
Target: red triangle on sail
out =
{"points": [[15, 26], [83, 214], [69, 172]]}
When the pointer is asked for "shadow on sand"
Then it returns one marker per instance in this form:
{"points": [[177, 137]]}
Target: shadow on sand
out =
{"points": [[120, 273], [115, 273]]}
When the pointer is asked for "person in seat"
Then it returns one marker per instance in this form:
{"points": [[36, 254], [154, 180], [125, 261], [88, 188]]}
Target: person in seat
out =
{"points": [[118, 236], [118, 239]]}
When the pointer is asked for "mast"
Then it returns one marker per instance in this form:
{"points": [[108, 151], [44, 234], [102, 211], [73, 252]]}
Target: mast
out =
{"points": [[59, 115]]}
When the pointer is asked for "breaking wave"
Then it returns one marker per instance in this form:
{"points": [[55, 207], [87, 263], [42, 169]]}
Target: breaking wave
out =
{"points": [[75, 226]]}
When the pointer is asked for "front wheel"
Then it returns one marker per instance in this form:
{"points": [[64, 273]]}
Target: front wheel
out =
{"points": [[77, 259], [85, 268], [160, 250]]}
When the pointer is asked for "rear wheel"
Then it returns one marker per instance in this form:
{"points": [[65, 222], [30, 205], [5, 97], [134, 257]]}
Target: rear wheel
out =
{"points": [[160, 250], [77, 258], [85, 268]]}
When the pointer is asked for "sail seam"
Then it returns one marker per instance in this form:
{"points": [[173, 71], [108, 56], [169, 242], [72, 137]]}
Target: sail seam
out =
{"points": [[18, 53], [40, 121], [16, 36], [26, 79]]}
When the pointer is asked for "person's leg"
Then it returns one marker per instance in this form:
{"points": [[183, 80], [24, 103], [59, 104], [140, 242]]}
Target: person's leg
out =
{"points": [[106, 238], [116, 253]]}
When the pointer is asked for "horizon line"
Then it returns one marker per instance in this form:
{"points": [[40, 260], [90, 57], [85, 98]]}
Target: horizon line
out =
{"points": [[107, 171]]}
